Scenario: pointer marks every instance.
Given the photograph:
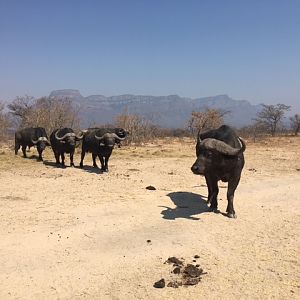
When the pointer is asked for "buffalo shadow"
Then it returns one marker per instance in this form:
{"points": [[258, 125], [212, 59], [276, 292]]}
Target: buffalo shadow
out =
{"points": [[90, 169], [54, 164], [187, 205]]}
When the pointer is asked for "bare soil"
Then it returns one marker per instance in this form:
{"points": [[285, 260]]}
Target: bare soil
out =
{"points": [[71, 233]]}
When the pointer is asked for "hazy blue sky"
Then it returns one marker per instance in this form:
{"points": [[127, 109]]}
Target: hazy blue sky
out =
{"points": [[247, 49]]}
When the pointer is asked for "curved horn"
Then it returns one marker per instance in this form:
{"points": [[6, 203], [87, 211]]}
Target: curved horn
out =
{"points": [[64, 136], [40, 139], [117, 137], [34, 142], [220, 146], [80, 137], [99, 138]]}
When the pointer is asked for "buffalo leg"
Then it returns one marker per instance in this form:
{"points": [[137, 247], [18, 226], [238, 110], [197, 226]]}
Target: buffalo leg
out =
{"points": [[71, 159], [56, 154], [209, 189], [94, 156], [17, 147], [213, 193], [82, 158], [62, 159], [102, 162], [106, 163], [232, 185], [40, 154], [24, 150]]}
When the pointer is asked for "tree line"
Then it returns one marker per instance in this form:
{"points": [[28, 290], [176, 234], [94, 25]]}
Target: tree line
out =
{"points": [[52, 113]]}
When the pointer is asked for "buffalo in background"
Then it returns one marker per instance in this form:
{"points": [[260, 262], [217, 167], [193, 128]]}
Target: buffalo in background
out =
{"points": [[220, 157], [29, 137], [100, 142], [64, 141]]}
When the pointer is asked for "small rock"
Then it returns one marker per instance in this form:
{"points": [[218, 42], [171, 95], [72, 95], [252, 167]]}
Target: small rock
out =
{"points": [[196, 256], [177, 270], [160, 284], [148, 241], [150, 188]]}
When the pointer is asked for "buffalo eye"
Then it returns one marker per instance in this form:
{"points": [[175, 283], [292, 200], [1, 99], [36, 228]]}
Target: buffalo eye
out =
{"points": [[208, 154]]}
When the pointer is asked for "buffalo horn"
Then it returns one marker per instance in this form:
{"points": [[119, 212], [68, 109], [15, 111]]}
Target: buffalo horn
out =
{"points": [[40, 139], [220, 146], [64, 136]]}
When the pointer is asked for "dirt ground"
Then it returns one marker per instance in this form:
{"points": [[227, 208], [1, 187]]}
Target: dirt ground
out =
{"points": [[77, 234]]}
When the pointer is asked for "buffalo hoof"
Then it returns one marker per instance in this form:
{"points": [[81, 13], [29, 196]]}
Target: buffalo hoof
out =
{"points": [[104, 170], [214, 209], [81, 165], [231, 215], [72, 165]]}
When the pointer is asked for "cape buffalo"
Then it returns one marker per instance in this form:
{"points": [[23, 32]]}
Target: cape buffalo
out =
{"points": [[29, 137], [64, 141], [220, 157], [100, 142]]}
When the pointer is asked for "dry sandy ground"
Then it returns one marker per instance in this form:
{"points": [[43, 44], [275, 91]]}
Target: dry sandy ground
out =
{"points": [[77, 234]]}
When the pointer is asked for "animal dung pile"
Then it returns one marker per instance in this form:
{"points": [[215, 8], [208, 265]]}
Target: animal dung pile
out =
{"points": [[182, 274]]}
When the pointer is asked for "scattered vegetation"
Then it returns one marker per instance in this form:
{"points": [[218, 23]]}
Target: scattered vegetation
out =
{"points": [[52, 113]]}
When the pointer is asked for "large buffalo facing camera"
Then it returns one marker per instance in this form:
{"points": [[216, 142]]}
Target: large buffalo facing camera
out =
{"points": [[220, 157], [64, 141], [100, 142]]}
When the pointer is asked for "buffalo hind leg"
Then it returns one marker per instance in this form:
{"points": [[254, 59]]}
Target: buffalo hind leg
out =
{"points": [[232, 185]]}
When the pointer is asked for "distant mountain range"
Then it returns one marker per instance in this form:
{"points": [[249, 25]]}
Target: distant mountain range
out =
{"points": [[167, 111]]}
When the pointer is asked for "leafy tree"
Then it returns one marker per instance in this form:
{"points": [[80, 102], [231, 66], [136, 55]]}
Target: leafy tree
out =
{"points": [[295, 123], [271, 116]]}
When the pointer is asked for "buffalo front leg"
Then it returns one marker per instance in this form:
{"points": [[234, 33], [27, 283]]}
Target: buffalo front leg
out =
{"points": [[94, 156], [24, 150], [40, 154], [56, 154], [82, 158], [62, 159], [213, 191], [102, 163], [71, 159], [17, 147], [209, 189], [232, 185]]}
